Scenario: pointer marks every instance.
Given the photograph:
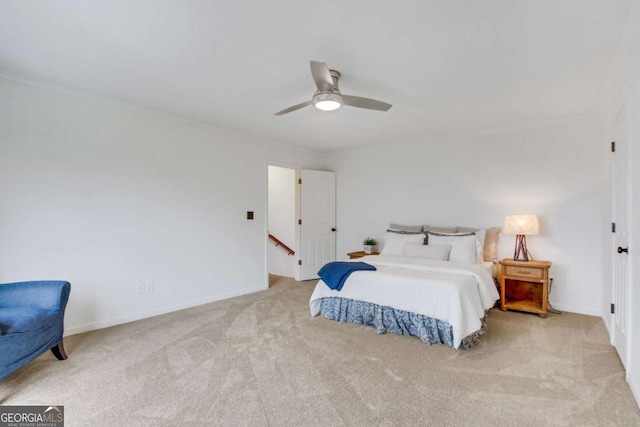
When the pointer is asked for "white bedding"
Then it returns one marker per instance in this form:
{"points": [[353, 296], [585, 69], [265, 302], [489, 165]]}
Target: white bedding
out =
{"points": [[492, 268], [455, 293]]}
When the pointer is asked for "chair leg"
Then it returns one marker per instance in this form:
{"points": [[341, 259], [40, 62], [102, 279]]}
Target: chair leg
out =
{"points": [[58, 352]]}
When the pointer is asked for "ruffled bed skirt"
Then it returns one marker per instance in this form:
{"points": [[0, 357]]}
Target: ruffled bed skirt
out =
{"points": [[387, 319]]}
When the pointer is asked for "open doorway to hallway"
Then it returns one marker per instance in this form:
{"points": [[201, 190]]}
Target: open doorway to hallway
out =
{"points": [[281, 200]]}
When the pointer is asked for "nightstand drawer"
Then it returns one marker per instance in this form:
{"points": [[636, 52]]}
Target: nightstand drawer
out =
{"points": [[529, 272]]}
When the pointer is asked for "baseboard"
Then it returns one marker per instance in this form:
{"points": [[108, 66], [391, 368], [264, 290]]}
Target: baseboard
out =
{"points": [[635, 389], [156, 312], [578, 310], [606, 318]]}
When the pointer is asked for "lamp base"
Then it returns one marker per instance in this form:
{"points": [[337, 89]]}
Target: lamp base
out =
{"points": [[521, 249]]}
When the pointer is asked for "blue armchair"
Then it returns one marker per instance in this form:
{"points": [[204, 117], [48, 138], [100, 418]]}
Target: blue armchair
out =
{"points": [[31, 322]]}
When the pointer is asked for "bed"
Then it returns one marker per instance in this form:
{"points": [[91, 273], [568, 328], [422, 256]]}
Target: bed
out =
{"points": [[436, 285]]}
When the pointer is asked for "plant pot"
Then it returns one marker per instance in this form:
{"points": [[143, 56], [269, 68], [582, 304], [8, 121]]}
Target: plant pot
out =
{"points": [[369, 249]]}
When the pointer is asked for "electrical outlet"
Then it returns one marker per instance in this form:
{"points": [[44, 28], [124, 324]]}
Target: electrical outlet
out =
{"points": [[149, 287]]}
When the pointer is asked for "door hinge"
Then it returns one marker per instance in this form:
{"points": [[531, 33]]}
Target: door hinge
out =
{"points": [[299, 180], [299, 262], [613, 227], [613, 308], [299, 222], [613, 146]]}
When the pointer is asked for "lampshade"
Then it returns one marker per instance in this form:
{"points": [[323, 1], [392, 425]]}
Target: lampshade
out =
{"points": [[521, 225]]}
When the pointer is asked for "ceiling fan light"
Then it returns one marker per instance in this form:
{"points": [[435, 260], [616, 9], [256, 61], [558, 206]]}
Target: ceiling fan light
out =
{"points": [[328, 105], [327, 101]]}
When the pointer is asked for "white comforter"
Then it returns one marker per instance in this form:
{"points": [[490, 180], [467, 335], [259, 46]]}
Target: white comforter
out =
{"points": [[451, 292]]}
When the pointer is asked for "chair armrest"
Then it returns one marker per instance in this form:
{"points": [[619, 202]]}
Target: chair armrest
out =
{"points": [[45, 294]]}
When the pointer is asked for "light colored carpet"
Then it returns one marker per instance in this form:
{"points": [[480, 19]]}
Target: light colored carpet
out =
{"points": [[260, 359]]}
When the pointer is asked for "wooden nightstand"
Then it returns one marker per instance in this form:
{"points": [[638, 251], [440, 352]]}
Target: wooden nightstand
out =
{"points": [[360, 254], [524, 286]]}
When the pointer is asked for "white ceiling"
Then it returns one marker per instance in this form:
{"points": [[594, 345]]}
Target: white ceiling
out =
{"points": [[446, 66]]}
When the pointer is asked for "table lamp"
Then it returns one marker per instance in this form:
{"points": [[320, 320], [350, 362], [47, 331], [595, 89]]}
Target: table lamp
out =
{"points": [[521, 225]]}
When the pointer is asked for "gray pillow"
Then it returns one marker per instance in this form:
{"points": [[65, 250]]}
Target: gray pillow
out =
{"points": [[467, 230], [400, 227], [441, 229], [424, 241]]}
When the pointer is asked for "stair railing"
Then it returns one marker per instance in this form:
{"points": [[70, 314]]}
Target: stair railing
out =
{"points": [[279, 243]]}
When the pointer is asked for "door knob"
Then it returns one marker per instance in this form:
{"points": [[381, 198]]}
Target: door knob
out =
{"points": [[621, 249]]}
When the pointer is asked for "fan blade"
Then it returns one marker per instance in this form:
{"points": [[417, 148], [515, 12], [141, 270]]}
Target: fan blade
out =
{"points": [[371, 104], [321, 76], [294, 108]]}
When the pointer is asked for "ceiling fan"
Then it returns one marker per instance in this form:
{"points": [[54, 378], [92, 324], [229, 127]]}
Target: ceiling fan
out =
{"points": [[328, 97]]}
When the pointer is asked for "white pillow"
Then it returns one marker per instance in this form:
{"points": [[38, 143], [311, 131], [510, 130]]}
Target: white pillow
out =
{"points": [[437, 252], [465, 247], [394, 242], [480, 235]]}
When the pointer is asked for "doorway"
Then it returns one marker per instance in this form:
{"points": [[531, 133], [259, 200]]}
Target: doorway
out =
{"points": [[281, 214], [301, 222]]}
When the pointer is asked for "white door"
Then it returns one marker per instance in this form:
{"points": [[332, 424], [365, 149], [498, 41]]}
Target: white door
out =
{"points": [[317, 222], [620, 181]]}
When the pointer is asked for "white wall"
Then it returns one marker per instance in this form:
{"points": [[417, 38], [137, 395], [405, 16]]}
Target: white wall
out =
{"points": [[555, 171], [282, 210], [108, 197]]}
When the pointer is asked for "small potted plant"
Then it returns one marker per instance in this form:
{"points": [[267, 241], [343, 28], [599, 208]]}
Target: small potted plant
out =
{"points": [[370, 245]]}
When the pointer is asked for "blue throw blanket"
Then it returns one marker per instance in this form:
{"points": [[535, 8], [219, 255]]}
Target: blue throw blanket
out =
{"points": [[334, 274]]}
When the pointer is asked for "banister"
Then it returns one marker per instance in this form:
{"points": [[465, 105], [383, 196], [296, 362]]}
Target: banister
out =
{"points": [[279, 243]]}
